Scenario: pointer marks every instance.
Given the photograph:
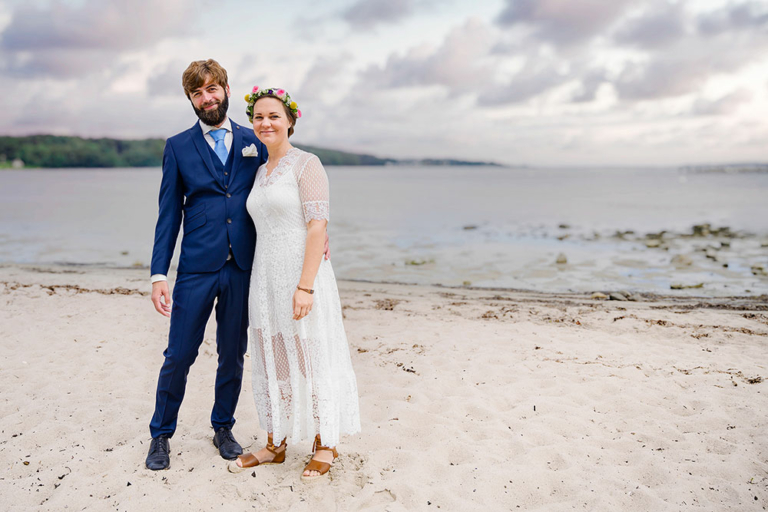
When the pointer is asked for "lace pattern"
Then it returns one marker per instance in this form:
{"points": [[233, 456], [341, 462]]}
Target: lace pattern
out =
{"points": [[318, 210], [284, 164], [303, 381]]}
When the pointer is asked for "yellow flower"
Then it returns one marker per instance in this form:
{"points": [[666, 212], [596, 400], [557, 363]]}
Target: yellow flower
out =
{"points": [[248, 98], [293, 105]]}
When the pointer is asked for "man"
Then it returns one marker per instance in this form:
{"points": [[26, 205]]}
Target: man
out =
{"points": [[208, 172]]}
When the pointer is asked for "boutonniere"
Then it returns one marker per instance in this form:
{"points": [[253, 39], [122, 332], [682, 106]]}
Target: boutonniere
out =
{"points": [[251, 151]]}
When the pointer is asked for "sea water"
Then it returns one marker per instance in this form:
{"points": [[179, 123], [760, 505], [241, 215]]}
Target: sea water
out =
{"points": [[479, 226]]}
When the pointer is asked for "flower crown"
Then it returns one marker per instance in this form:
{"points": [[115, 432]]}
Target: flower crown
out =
{"points": [[280, 94]]}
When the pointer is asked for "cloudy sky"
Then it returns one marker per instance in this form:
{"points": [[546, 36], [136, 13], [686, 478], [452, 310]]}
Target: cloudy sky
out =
{"points": [[538, 82]]}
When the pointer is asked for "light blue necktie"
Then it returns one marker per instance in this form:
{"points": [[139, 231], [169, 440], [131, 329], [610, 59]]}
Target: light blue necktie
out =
{"points": [[220, 148]]}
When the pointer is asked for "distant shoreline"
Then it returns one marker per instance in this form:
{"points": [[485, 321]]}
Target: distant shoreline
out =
{"points": [[733, 168], [59, 152]]}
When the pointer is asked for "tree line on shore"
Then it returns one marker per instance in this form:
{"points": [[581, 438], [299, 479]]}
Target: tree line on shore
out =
{"points": [[59, 151], [56, 151]]}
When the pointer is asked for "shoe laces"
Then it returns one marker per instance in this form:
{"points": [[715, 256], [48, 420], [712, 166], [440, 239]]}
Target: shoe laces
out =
{"points": [[227, 433], [161, 445]]}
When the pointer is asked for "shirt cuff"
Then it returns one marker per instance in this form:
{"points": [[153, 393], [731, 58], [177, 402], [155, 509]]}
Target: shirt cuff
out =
{"points": [[158, 277]]}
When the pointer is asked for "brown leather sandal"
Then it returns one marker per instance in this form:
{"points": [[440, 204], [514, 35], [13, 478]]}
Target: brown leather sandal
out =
{"points": [[316, 465], [249, 460]]}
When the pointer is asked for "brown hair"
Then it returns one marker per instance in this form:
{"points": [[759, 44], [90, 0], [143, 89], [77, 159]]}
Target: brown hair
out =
{"points": [[199, 71], [288, 112]]}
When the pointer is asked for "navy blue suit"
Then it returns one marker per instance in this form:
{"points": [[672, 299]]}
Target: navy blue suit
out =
{"points": [[210, 199]]}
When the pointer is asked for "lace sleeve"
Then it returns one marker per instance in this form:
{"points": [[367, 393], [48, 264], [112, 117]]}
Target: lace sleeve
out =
{"points": [[313, 190]]}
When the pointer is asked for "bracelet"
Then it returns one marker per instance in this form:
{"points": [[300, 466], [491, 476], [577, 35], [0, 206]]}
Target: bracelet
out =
{"points": [[306, 290]]}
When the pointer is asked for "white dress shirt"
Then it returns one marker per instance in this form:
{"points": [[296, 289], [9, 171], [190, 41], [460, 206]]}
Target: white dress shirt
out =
{"points": [[227, 125]]}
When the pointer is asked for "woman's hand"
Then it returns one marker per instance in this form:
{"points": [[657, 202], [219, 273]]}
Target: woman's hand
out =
{"points": [[302, 304]]}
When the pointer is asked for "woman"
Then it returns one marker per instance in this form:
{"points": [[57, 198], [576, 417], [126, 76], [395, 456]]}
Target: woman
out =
{"points": [[303, 382]]}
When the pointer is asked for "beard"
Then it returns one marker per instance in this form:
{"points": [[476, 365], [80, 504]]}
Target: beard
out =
{"points": [[213, 117]]}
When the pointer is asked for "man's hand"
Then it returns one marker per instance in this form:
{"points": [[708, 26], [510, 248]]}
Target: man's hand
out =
{"points": [[327, 248], [160, 291]]}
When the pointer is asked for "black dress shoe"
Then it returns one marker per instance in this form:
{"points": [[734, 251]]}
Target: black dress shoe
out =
{"points": [[225, 442], [159, 456]]}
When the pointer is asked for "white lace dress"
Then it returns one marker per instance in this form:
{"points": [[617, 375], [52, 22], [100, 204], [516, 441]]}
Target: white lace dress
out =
{"points": [[303, 381]]}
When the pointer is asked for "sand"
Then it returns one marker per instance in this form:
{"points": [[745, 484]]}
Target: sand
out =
{"points": [[470, 400]]}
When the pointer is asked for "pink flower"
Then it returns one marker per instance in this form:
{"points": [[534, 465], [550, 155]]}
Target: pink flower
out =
{"points": [[255, 89], [298, 114], [281, 92]]}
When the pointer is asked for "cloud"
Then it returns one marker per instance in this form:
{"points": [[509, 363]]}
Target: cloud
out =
{"points": [[563, 22], [665, 76], [720, 42], [590, 82], [369, 13], [64, 40], [741, 16], [458, 63], [60, 63], [656, 28], [659, 52], [324, 76], [531, 81], [723, 106], [89, 108], [166, 81]]}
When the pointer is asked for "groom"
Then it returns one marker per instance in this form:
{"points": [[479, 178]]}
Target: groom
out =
{"points": [[208, 172]]}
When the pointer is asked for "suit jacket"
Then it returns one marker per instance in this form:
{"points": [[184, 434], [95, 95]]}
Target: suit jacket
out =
{"points": [[213, 210]]}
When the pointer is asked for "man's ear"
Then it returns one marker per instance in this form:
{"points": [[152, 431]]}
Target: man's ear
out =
{"points": [[228, 92]]}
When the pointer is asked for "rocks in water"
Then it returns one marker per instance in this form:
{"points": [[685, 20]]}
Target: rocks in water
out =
{"points": [[564, 226], [764, 244], [720, 236], [682, 260], [653, 243], [724, 231], [704, 230], [563, 237], [759, 270], [598, 296], [561, 259], [686, 286], [701, 229], [470, 227], [617, 296], [417, 263], [711, 254]]}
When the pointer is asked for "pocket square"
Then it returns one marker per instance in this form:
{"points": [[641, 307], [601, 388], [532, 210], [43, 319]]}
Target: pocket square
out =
{"points": [[251, 151]]}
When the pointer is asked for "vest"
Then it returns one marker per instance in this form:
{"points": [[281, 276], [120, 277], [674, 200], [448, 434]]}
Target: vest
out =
{"points": [[223, 170]]}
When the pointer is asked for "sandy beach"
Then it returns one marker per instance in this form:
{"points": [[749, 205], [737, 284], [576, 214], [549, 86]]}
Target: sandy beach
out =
{"points": [[470, 400]]}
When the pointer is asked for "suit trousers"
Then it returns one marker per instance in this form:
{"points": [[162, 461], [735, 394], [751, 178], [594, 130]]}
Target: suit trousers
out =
{"points": [[193, 299]]}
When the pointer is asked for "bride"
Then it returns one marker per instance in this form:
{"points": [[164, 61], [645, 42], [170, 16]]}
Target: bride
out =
{"points": [[303, 382]]}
